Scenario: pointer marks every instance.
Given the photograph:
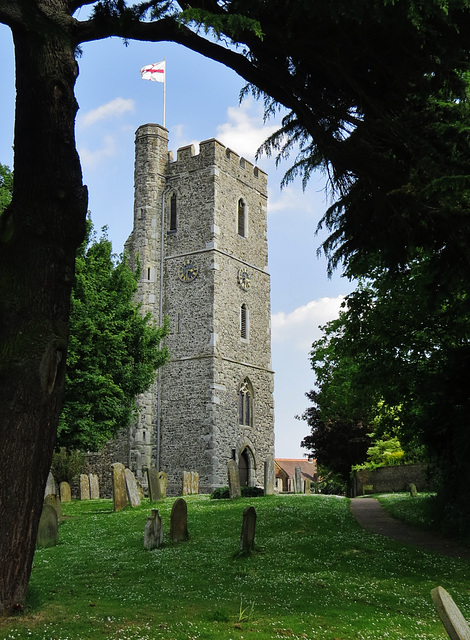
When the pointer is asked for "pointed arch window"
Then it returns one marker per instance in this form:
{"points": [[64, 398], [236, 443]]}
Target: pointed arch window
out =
{"points": [[241, 218], [245, 404], [173, 212]]}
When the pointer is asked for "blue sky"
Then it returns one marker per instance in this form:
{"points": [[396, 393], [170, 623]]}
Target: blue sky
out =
{"points": [[202, 103]]}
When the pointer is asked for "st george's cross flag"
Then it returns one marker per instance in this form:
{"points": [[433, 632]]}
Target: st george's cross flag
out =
{"points": [[154, 72]]}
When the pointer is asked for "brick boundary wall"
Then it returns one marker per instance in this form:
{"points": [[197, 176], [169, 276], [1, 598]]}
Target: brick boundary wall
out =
{"points": [[391, 479]]}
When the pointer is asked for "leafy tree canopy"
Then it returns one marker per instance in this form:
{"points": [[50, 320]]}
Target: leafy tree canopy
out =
{"points": [[113, 352], [6, 187]]}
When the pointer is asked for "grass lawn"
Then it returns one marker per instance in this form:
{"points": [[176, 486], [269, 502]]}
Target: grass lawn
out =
{"points": [[316, 575]]}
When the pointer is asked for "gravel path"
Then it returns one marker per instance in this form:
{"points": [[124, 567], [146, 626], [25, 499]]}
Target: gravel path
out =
{"points": [[373, 517]]}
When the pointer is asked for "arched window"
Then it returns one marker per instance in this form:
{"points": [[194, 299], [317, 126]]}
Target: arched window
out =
{"points": [[245, 404], [173, 212], [244, 322], [241, 218]]}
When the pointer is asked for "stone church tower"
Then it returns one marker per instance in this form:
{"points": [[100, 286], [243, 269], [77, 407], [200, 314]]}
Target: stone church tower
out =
{"points": [[201, 238]]}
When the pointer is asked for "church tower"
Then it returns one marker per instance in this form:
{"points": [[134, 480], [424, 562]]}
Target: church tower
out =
{"points": [[200, 233]]}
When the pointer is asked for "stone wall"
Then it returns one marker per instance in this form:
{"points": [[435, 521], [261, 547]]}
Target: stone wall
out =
{"points": [[390, 479]]}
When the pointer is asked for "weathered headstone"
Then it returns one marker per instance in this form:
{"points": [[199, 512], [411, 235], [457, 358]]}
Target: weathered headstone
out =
{"points": [[94, 486], [308, 486], [194, 482], [233, 479], [454, 623], [269, 476], [179, 521], [132, 489], [54, 501], [155, 494], [48, 532], [413, 490], [163, 480], [298, 480], [65, 492], [186, 483], [153, 533], [247, 538], [84, 487], [119, 486], [51, 485]]}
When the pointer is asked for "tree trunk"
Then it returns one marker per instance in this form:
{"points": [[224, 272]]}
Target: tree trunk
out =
{"points": [[39, 234]]}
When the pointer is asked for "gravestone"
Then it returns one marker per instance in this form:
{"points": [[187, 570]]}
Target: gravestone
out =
{"points": [[119, 486], [163, 480], [132, 488], [94, 486], [298, 480], [413, 490], [454, 623], [247, 539], [48, 532], [155, 494], [179, 521], [233, 479], [153, 533], [51, 485], [65, 492], [194, 482], [54, 501], [84, 487], [186, 483], [308, 485], [269, 476]]}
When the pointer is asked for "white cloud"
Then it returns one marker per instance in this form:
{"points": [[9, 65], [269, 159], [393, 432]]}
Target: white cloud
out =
{"points": [[112, 109], [92, 159], [300, 327], [244, 131]]}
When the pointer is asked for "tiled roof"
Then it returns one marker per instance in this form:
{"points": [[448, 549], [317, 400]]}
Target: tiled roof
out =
{"points": [[288, 465]]}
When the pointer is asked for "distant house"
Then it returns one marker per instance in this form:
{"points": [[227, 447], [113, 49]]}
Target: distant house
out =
{"points": [[285, 473]]}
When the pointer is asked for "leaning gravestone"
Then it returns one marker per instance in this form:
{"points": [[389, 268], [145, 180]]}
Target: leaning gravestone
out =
{"points": [[155, 494], [163, 480], [153, 533], [179, 521], [269, 476], [186, 483], [233, 479], [54, 501], [51, 485], [247, 539], [450, 615], [84, 487], [119, 486], [48, 532], [94, 486], [132, 488], [298, 480], [65, 492]]}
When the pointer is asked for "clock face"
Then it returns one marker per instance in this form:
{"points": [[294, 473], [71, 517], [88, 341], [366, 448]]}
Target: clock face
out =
{"points": [[244, 279], [188, 271]]}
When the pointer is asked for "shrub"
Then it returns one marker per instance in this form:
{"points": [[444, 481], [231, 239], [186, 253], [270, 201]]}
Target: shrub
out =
{"points": [[67, 464], [220, 493], [247, 492]]}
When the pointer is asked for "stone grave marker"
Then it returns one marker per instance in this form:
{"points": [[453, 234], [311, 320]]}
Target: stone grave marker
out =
{"points": [[308, 485], [247, 538], [84, 487], [269, 476], [413, 490], [233, 479], [179, 521], [51, 485], [163, 480], [153, 533], [298, 480], [65, 492], [132, 488], [186, 483], [194, 482], [155, 494], [48, 532], [454, 623], [94, 486], [119, 486], [54, 501]]}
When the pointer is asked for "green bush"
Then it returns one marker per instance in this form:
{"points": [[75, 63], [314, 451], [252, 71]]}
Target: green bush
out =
{"points": [[67, 464], [247, 492], [220, 493]]}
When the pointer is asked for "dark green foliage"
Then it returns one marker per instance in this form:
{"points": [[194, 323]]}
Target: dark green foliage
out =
{"points": [[66, 465], [113, 353], [221, 493], [6, 187]]}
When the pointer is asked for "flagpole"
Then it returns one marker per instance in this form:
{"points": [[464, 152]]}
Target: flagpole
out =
{"points": [[164, 93]]}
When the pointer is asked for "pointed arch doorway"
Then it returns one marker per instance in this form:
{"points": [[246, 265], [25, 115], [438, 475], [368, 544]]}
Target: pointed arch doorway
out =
{"points": [[246, 467]]}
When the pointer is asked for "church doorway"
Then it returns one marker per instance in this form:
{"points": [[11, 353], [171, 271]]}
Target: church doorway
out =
{"points": [[246, 468]]}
